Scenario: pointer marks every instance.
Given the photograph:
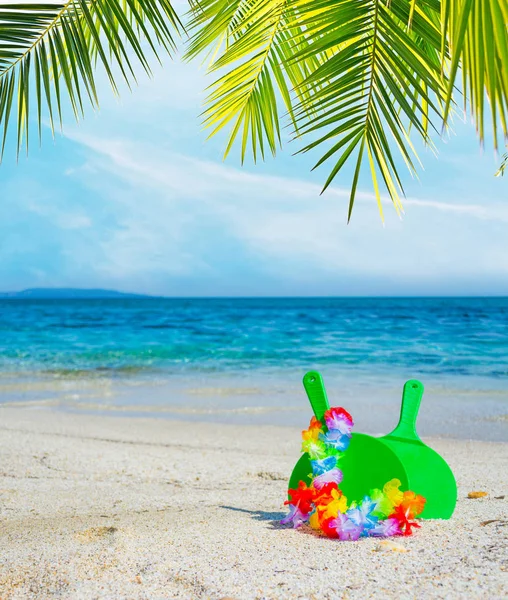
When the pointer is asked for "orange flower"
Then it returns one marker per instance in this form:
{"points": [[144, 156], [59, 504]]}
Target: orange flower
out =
{"points": [[315, 424], [412, 503], [312, 433]]}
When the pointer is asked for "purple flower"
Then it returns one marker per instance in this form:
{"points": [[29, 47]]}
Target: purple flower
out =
{"points": [[345, 528], [296, 517], [386, 528], [332, 476]]}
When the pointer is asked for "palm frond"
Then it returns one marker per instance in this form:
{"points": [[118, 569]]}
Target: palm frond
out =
{"points": [[251, 38], [382, 80], [358, 73], [476, 32], [49, 51], [357, 78]]}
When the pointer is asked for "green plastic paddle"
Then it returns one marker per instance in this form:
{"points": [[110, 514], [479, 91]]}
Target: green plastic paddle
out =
{"points": [[370, 462]]}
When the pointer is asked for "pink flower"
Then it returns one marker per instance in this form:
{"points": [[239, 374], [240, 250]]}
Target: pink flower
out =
{"points": [[340, 420]]}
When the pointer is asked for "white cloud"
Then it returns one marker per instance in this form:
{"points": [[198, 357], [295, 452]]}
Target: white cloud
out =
{"points": [[169, 171], [497, 212], [61, 217], [177, 211]]}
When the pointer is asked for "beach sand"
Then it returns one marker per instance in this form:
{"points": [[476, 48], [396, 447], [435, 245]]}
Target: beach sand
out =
{"points": [[111, 507]]}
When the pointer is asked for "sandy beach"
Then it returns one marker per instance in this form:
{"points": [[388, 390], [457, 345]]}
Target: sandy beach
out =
{"points": [[111, 507]]}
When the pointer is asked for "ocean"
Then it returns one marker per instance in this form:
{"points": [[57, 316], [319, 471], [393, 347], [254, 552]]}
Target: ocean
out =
{"points": [[242, 360]]}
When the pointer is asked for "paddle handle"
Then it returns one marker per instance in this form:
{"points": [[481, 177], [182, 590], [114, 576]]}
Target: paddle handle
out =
{"points": [[411, 398], [316, 392]]}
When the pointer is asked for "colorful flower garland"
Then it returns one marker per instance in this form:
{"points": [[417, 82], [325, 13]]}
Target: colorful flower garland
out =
{"points": [[322, 504]]}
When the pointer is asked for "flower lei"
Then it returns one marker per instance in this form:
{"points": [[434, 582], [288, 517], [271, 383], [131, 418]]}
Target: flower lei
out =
{"points": [[383, 513]]}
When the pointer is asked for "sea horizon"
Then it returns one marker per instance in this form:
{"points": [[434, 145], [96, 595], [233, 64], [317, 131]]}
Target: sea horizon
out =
{"points": [[137, 295]]}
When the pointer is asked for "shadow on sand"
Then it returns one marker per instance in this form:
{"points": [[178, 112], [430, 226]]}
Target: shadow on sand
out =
{"points": [[273, 518]]}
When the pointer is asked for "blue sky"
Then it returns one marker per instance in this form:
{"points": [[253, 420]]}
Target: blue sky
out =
{"points": [[134, 198]]}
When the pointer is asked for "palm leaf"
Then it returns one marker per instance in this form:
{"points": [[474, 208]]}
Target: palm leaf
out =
{"points": [[253, 38], [357, 78], [351, 73], [477, 35], [503, 166], [49, 51], [382, 80], [361, 78]]}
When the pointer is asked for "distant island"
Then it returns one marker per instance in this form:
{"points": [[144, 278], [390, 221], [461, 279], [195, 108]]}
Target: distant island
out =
{"points": [[67, 293]]}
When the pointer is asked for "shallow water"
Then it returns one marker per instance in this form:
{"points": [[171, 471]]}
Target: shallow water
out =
{"points": [[242, 360]]}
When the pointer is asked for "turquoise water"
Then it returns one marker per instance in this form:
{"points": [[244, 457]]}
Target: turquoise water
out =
{"points": [[222, 358]]}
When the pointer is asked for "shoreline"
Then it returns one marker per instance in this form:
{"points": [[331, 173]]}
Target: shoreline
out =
{"points": [[152, 508], [189, 417], [444, 413]]}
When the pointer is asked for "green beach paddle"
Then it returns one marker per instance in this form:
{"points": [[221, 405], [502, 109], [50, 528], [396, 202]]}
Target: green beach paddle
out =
{"points": [[370, 462]]}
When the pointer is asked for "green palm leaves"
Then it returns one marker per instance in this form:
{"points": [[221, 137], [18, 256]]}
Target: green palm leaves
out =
{"points": [[476, 31], [356, 80], [379, 79], [52, 50], [357, 77], [255, 44]]}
